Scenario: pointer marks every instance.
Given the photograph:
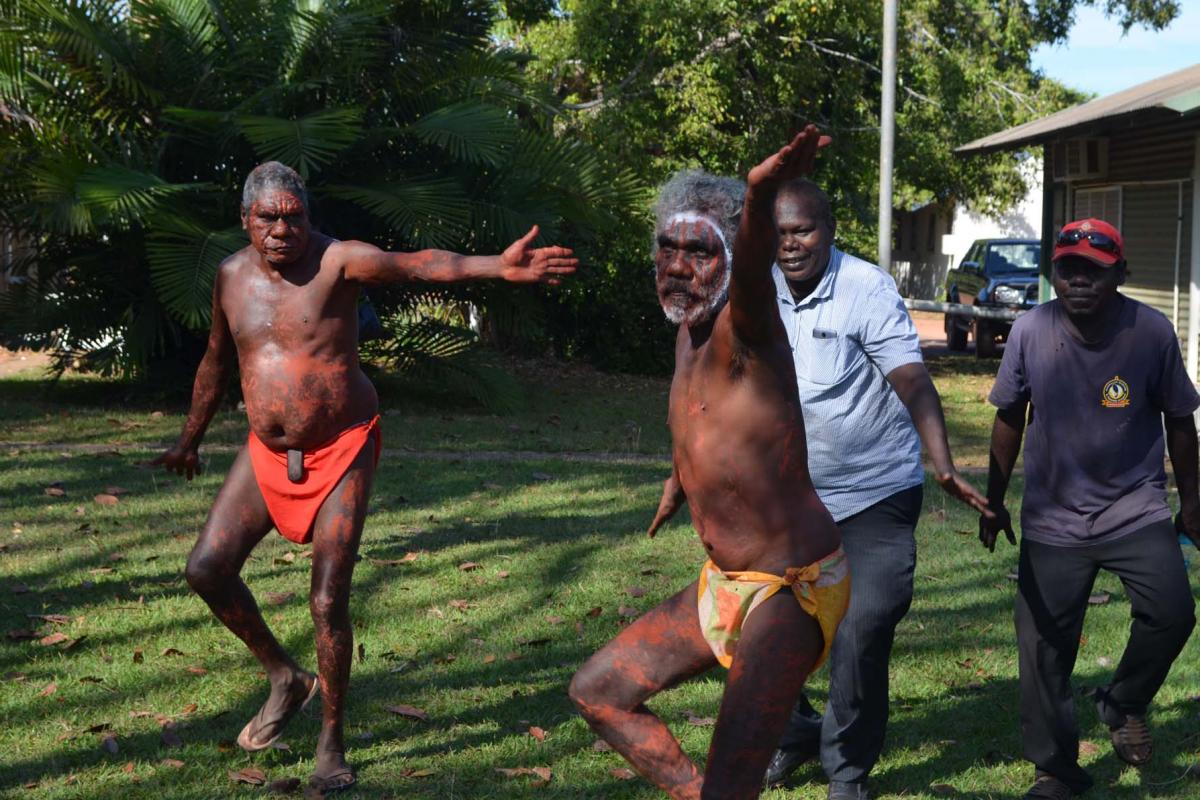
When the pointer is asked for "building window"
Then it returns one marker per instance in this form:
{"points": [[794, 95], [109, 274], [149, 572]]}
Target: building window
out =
{"points": [[1102, 204]]}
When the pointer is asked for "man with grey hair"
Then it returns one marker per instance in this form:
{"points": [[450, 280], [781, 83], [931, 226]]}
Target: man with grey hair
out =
{"points": [[285, 310], [768, 600]]}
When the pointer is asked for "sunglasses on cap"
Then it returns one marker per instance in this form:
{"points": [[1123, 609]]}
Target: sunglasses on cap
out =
{"points": [[1098, 240]]}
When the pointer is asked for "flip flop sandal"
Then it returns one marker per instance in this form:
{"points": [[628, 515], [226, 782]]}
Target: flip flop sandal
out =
{"points": [[246, 743], [319, 786], [1131, 741]]}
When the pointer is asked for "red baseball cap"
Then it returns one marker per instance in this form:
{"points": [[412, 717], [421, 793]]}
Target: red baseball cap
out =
{"points": [[1093, 239]]}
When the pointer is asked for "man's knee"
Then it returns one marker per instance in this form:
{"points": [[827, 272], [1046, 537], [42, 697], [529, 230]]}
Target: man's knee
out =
{"points": [[206, 571], [591, 690], [1176, 621], [327, 605]]}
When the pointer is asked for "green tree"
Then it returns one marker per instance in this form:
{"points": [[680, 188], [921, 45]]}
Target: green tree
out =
{"points": [[665, 84], [127, 126]]}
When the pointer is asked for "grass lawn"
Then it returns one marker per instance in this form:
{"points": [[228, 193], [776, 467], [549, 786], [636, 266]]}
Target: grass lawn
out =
{"points": [[144, 695]]}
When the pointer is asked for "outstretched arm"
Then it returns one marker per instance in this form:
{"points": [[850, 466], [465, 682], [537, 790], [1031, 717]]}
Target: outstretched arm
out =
{"points": [[519, 263], [751, 290], [915, 389], [211, 377], [1007, 431]]}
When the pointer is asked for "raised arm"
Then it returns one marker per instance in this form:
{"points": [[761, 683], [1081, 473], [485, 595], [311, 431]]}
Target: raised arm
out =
{"points": [[751, 290], [211, 377], [1007, 431], [519, 263]]}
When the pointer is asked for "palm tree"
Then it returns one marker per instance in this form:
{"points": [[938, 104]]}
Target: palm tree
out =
{"points": [[126, 127]]}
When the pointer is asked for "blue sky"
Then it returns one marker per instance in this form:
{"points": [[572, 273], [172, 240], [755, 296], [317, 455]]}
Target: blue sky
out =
{"points": [[1098, 59]]}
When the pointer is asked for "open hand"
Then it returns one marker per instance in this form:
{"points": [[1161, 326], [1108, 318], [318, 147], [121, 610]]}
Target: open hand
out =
{"points": [[179, 460], [990, 527], [795, 160], [522, 264], [672, 500], [961, 489]]}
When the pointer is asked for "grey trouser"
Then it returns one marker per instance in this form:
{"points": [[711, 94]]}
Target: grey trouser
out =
{"points": [[882, 553]]}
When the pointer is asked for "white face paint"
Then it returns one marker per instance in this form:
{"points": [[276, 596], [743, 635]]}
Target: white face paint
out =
{"points": [[706, 292], [708, 222]]}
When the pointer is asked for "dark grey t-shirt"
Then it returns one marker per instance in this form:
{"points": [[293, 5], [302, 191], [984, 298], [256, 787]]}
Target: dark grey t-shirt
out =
{"points": [[1094, 446]]}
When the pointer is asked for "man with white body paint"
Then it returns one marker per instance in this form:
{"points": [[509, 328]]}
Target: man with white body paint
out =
{"points": [[768, 600]]}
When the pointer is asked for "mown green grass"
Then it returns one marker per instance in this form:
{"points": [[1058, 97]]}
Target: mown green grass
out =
{"points": [[570, 538]]}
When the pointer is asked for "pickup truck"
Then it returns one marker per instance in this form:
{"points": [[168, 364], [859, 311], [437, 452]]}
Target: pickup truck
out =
{"points": [[995, 273]]}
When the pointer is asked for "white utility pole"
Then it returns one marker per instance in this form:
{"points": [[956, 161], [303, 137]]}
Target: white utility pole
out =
{"points": [[887, 134]]}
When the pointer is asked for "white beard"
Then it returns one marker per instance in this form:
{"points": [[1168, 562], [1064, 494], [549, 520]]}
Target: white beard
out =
{"points": [[700, 312]]}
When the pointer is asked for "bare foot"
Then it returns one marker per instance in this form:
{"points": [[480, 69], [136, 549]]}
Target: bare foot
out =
{"points": [[288, 695]]}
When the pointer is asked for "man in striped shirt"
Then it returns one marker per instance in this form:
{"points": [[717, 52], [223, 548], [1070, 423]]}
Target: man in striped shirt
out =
{"points": [[868, 404]]}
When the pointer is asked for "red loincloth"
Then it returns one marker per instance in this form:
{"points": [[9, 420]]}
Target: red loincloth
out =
{"points": [[294, 506]]}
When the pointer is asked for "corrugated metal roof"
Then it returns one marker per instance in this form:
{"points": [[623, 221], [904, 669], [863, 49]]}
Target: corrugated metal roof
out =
{"points": [[1178, 92]]}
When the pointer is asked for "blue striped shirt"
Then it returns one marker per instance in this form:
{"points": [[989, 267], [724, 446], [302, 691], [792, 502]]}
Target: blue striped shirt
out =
{"points": [[845, 337]]}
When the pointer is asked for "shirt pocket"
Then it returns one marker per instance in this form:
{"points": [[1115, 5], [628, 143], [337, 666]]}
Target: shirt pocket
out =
{"points": [[830, 358]]}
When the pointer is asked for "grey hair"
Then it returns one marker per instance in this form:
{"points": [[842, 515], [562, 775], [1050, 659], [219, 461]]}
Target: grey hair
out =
{"points": [[272, 175], [699, 192]]}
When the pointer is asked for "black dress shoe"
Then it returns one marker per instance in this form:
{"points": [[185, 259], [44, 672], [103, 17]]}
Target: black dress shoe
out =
{"points": [[848, 791], [788, 760]]}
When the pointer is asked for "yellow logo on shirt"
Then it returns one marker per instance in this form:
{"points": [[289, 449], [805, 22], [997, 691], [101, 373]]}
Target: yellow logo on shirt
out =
{"points": [[1115, 393]]}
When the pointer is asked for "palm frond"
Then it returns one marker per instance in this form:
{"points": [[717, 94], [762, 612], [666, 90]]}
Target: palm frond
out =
{"points": [[472, 132], [307, 143], [183, 264], [426, 212], [122, 196]]}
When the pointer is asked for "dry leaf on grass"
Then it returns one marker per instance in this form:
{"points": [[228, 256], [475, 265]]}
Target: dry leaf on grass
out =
{"points": [[171, 651], [54, 491], [50, 689], [554, 620], [116, 491], [628, 612], [635, 591], [52, 639], [408, 711], [502, 573], [601, 746], [1087, 748], [468, 566], [537, 733], [702, 722], [128, 768], [622, 774], [461, 605], [57, 619], [107, 499], [174, 763], [595, 611], [250, 775], [278, 598], [515, 772], [195, 670], [189, 708], [409, 772], [138, 657]]}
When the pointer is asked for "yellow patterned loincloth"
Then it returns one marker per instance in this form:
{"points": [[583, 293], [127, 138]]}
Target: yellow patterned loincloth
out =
{"points": [[726, 599]]}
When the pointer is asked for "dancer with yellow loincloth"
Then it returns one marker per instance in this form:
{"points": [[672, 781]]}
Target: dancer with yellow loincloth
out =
{"points": [[740, 455]]}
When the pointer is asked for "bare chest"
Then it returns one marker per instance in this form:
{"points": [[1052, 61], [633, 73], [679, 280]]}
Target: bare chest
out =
{"points": [[290, 315]]}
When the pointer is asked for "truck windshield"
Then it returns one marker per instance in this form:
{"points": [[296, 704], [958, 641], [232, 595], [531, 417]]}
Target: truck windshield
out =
{"points": [[1014, 257]]}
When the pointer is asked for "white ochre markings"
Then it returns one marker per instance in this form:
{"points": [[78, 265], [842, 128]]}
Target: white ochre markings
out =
{"points": [[1115, 393]]}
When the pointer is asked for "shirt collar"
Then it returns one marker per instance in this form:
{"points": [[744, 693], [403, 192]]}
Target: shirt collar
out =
{"points": [[824, 290]]}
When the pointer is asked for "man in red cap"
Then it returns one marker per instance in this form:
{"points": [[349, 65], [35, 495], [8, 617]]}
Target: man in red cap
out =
{"points": [[1098, 376]]}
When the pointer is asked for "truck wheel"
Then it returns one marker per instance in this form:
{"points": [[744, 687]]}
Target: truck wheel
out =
{"points": [[985, 339], [956, 337]]}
